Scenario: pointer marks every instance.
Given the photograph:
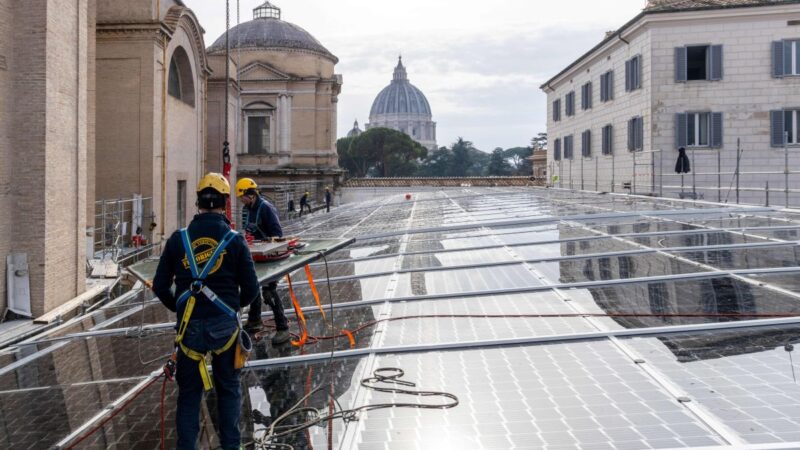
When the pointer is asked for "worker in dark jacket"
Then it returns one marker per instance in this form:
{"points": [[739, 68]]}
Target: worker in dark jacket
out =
{"points": [[260, 218], [328, 199], [304, 203], [213, 280]]}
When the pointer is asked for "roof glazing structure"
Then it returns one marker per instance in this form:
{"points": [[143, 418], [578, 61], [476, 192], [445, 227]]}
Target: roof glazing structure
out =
{"points": [[558, 319]]}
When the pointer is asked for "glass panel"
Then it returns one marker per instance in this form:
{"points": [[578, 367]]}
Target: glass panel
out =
{"points": [[480, 318], [612, 268], [572, 248], [582, 395], [692, 130], [39, 418], [681, 302], [790, 281], [703, 128], [751, 258], [257, 135], [745, 377], [464, 280], [788, 122]]}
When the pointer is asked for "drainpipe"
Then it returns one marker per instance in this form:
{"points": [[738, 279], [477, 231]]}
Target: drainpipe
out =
{"points": [[164, 75]]}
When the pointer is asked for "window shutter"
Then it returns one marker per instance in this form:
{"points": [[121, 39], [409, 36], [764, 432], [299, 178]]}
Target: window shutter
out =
{"points": [[716, 130], [628, 76], [589, 94], [777, 59], [603, 95], [604, 141], [557, 150], [777, 128], [787, 58], [631, 132], [610, 87], [715, 72], [681, 128], [640, 133], [636, 72], [680, 64]]}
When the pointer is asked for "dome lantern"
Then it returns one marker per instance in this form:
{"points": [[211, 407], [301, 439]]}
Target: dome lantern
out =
{"points": [[400, 71], [267, 11]]}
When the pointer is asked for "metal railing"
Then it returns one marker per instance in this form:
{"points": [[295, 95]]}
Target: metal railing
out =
{"points": [[713, 181], [123, 229]]}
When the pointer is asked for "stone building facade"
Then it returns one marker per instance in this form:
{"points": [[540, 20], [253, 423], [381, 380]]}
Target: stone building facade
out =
{"points": [[699, 75], [402, 106], [151, 85], [283, 101], [111, 99]]}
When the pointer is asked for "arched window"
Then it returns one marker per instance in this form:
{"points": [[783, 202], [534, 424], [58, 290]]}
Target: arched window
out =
{"points": [[181, 81]]}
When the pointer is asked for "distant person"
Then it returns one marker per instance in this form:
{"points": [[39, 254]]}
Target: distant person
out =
{"points": [[290, 208], [328, 199], [304, 203]]}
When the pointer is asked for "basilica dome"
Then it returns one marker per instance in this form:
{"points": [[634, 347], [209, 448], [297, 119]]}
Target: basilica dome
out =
{"points": [[403, 107], [266, 31]]}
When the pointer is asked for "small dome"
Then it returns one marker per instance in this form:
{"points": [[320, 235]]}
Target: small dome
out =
{"points": [[267, 30], [400, 97], [355, 131]]}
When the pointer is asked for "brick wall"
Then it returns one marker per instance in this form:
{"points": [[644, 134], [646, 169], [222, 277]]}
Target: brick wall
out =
{"points": [[45, 120]]}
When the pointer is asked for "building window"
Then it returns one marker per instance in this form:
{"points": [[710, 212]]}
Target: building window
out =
{"points": [[608, 140], [785, 127], [414, 132], [180, 83], [636, 134], [633, 73], [607, 86], [557, 150], [586, 96], [786, 58], [258, 138], [698, 62], [557, 110], [586, 143], [699, 129], [570, 103], [568, 147], [181, 203]]}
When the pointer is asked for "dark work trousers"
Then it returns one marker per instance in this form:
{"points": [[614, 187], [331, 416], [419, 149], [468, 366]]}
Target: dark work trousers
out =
{"points": [[271, 298], [202, 336], [327, 207]]}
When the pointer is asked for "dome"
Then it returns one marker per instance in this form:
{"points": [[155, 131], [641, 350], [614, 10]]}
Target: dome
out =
{"points": [[355, 131], [400, 97], [267, 30]]}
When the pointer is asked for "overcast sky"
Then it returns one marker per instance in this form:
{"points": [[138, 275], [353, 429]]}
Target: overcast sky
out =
{"points": [[480, 63]]}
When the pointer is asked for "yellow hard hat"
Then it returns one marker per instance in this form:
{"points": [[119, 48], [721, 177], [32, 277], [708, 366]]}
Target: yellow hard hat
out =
{"points": [[214, 181], [243, 185]]}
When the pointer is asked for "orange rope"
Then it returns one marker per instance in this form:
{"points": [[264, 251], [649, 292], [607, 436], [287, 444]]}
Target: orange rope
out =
{"points": [[314, 291], [350, 337], [300, 316]]}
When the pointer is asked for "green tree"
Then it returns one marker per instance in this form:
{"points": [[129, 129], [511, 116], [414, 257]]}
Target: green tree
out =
{"points": [[346, 159], [462, 158], [385, 153], [498, 165], [437, 164], [519, 157]]}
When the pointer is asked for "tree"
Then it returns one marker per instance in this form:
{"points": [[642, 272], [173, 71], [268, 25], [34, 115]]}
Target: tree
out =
{"points": [[498, 165], [383, 152], [539, 142], [346, 160], [519, 158], [437, 164], [462, 162]]}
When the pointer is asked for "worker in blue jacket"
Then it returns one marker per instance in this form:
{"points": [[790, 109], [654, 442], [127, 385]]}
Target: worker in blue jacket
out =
{"points": [[214, 276], [260, 218]]}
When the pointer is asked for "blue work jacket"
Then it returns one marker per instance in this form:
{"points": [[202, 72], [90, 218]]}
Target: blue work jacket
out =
{"points": [[233, 277]]}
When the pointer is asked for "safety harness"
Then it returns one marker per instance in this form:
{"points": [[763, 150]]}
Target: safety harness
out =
{"points": [[198, 286]]}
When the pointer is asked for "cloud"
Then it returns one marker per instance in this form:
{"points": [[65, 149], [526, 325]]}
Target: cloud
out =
{"points": [[480, 64]]}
